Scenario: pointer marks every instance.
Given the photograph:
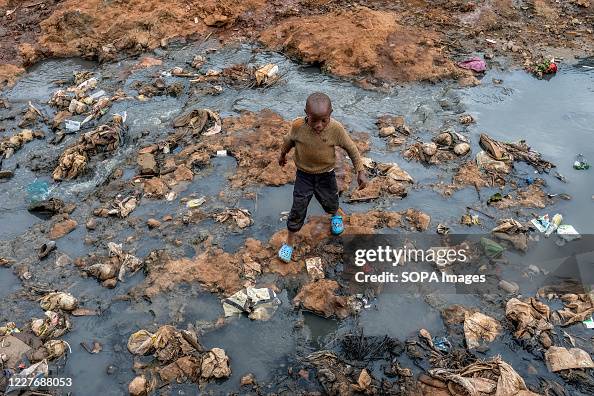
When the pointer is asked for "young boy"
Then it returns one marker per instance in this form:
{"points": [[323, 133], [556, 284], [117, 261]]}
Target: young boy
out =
{"points": [[314, 138]]}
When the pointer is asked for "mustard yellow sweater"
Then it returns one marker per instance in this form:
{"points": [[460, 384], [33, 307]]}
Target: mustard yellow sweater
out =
{"points": [[314, 152]]}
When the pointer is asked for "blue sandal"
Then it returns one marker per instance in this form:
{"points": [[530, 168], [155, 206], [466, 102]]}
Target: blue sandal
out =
{"points": [[285, 253], [337, 224]]}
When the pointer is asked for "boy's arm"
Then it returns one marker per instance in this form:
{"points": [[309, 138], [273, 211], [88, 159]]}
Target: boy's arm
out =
{"points": [[288, 144], [345, 141]]}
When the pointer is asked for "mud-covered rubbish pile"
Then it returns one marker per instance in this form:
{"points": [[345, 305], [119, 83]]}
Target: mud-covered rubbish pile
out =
{"points": [[179, 357], [26, 352], [104, 139]]}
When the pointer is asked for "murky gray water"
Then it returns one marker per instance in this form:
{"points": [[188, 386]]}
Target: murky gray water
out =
{"points": [[556, 117]]}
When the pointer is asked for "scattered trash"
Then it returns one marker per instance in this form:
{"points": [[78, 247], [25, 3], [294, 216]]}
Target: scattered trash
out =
{"points": [[477, 327], [470, 220], [541, 222], [53, 325], [466, 119], [6, 174], [198, 120], [28, 376], [58, 300], [560, 177], [493, 376], [37, 191], [242, 217], [545, 66], [194, 203], [12, 351], [72, 126], [9, 328], [259, 304], [9, 145], [568, 232], [184, 357], [485, 161], [215, 364], [510, 152], [74, 160], [580, 163], [96, 348], [509, 226], [314, 268], [531, 319], [509, 287], [167, 343], [495, 198], [442, 344], [475, 64], [45, 249], [321, 298], [442, 229], [138, 386], [119, 206], [198, 61], [114, 267], [559, 358], [388, 178], [222, 153], [50, 350], [267, 75], [554, 224], [492, 248], [577, 308]]}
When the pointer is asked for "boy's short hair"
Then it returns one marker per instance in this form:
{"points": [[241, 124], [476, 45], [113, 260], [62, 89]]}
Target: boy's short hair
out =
{"points": [[319, 98]]}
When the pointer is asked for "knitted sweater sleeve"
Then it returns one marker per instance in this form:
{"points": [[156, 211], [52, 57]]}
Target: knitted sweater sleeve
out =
{"points": [[344, 140], [289, 139]]}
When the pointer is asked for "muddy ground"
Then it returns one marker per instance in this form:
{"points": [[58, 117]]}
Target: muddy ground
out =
{"points": [[168, 200], [373, 41]]}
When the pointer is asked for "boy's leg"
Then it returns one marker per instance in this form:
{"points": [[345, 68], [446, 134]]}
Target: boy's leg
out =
{"points": [[302, 193], [326, 192]]}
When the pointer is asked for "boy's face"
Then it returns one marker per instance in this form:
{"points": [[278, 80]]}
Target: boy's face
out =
{"points": [[318, 116]]}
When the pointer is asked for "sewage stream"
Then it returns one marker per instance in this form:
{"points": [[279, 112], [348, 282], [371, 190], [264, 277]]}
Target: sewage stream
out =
{"points": [[556, 117]]}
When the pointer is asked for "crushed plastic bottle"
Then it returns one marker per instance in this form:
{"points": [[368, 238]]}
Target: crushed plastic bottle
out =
{"points": [[580, 163], [37, 191], [555, 222]]}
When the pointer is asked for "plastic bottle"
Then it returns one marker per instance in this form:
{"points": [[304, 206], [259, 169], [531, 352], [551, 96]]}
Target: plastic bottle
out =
{"points": [[580, 163], [37, 191], [555, 222]]}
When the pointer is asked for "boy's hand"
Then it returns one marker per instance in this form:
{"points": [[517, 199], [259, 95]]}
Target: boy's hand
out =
{"points": [[282, 159], [362, 179]]}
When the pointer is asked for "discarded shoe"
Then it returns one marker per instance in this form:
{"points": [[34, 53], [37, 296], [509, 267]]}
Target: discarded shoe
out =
{"points": [[46, 249], [285, 253], [337, 225]]}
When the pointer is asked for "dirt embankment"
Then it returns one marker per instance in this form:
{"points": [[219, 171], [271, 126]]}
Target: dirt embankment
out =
{"points": [[376, 40], [103, 30], [364, 42]]}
